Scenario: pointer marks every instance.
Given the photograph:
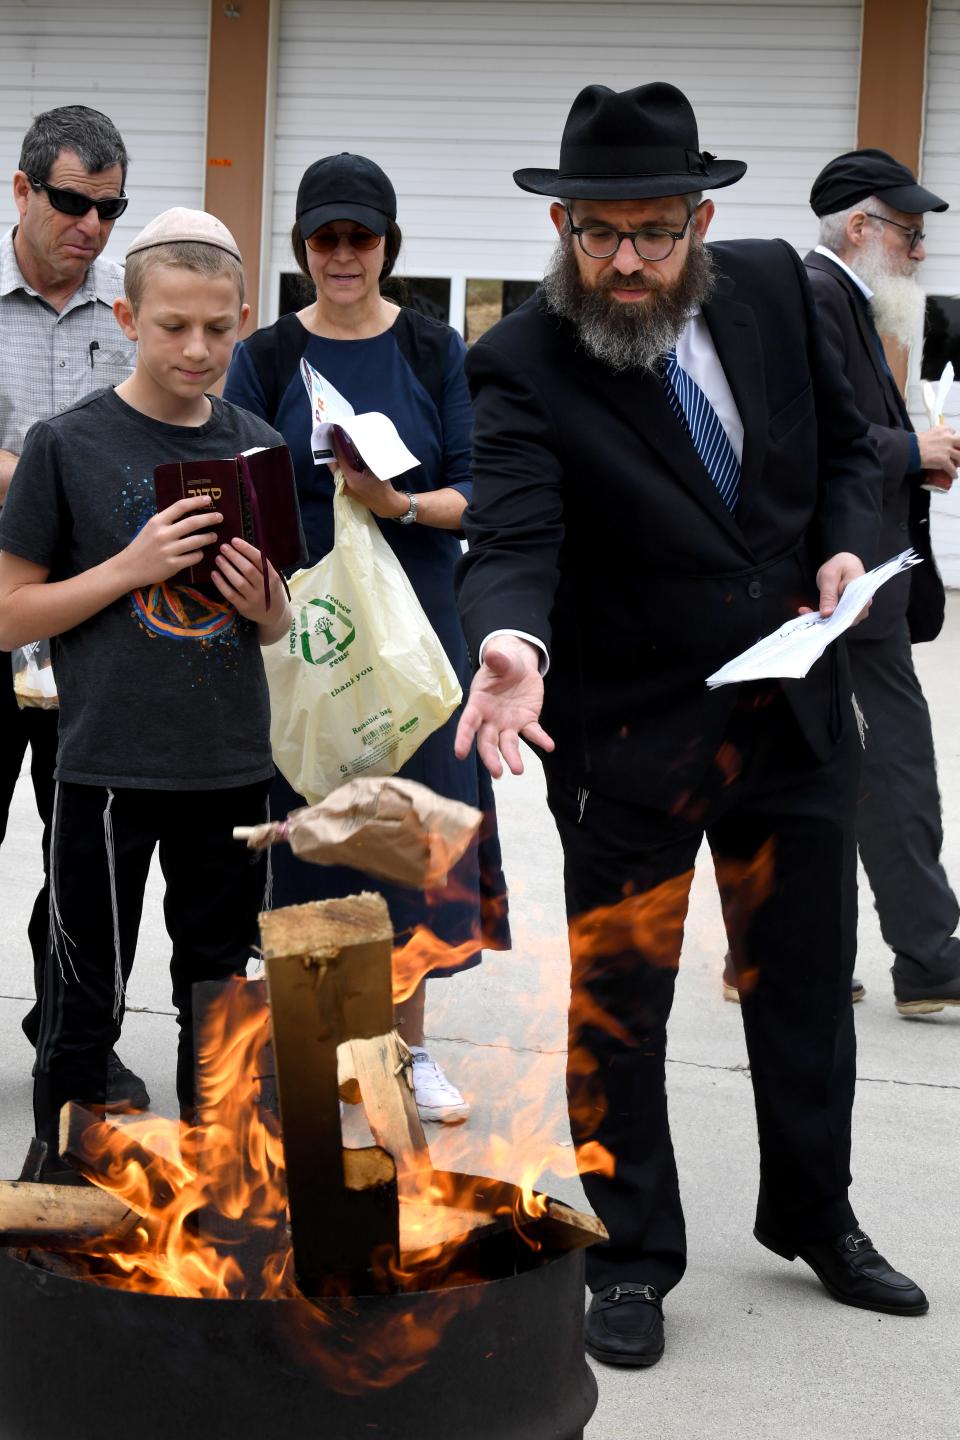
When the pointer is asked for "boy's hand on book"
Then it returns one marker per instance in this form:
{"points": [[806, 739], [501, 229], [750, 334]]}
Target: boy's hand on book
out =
{"points": [[238, 575], [170, 540]]}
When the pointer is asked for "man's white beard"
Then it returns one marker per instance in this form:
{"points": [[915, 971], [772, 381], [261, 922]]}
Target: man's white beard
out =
{"points": [[899, 301]]}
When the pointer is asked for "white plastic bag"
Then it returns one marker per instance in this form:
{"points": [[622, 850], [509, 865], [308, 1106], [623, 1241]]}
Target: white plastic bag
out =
{"points": [[361, 679], [33, 682]]}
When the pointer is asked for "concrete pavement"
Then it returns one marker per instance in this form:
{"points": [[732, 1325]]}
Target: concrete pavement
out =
{"points": [[755, 1348]]}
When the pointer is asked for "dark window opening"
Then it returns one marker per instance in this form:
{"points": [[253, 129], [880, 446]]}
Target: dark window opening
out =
{"points": [[489, 300], [941, 336]]}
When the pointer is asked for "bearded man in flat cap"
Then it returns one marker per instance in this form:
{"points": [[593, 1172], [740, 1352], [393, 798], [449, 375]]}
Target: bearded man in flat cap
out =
{"points": [[863, 274], [668, 464]]}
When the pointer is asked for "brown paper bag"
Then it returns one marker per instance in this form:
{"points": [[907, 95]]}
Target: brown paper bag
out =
{"points": [[394, 829]]}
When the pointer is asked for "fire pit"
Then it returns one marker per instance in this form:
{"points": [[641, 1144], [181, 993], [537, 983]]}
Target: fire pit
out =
{"points": [[504, 1361], [326, 1295]]}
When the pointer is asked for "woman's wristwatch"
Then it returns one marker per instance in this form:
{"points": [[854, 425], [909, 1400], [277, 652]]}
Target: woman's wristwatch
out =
{"points": [[411, 515]]}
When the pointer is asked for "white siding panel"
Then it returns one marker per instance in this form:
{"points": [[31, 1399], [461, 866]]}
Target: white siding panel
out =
{"points": [[451, 96], [143, 65], [941, 273]]}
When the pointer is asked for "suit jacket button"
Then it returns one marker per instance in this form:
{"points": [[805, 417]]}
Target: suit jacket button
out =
{"points": [[755, 589], [903, 525]]}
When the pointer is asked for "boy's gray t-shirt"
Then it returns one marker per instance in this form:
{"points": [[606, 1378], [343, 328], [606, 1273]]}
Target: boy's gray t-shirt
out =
{"points": [[165, 688]]}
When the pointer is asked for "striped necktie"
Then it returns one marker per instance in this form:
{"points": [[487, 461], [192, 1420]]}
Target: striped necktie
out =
{"points": [[701, 421]]}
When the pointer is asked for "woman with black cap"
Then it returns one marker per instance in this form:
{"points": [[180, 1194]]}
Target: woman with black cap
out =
{"points": [[384, 357]]}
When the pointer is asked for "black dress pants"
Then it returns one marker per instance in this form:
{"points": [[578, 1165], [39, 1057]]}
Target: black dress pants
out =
{"points": [[38, 729], [102, 846], [781, 828], [899, 826]]}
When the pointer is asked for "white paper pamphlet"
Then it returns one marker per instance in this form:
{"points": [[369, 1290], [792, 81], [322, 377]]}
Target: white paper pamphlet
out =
{"points": [[373, 436], [790, 651], [935, 400]]}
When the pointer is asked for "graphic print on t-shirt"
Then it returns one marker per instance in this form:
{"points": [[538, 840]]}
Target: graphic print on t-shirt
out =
{"points": [[177, 612]]}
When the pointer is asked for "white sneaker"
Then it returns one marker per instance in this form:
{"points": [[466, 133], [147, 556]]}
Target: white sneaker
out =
{"points": [[436, 1098]]}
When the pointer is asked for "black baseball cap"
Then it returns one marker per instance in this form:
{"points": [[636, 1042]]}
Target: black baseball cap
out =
{"points": [[345, 187], [861, 173]]}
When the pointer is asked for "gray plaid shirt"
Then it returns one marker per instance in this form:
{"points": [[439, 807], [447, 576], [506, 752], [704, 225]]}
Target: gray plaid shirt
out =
{"points": [[50, 359]]}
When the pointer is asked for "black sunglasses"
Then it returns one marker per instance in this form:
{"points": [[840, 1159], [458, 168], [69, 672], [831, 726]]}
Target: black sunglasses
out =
{"points": [[74, 202], [326, 241]]}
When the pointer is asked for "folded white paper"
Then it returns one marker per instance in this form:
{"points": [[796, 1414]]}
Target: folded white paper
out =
{"points": [[935, 401], [790, 651], [373, 436]]}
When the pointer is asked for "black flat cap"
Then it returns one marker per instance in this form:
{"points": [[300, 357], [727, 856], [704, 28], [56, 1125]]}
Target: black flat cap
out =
{"points": [[860, 173]]}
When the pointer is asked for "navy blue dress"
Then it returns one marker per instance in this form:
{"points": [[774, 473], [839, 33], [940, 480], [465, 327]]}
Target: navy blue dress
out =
{"points": [[374, 374]]}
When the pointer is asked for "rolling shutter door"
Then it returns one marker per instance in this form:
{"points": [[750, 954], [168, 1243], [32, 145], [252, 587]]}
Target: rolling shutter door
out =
{"points": [[451, 96], [143, 65]]}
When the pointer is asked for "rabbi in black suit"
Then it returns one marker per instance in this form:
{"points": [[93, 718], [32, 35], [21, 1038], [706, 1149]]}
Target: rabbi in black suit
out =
{"points": [[863, 275], [667, 465]]}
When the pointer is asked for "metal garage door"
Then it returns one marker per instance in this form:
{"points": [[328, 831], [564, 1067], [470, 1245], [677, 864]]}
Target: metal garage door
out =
{"points": [[451, 96], [941, 273], [143, 65]]}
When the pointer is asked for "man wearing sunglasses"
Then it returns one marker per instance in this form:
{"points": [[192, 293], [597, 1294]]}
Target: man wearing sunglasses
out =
{"points": [[864, 279], [58, 341]]}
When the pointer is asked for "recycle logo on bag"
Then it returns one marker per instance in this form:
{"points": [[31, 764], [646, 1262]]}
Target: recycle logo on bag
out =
{"points": [[324, 632]]}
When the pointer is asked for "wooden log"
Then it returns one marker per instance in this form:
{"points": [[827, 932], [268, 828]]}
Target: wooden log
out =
{"points": [[563, 1228], [63, 1217], [382, 1068], [101, 1151], [328, 968]]}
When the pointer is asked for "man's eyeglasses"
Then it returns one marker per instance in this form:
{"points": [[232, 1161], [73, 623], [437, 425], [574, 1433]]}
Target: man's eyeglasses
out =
{"points": [[326, 241], [915, 235], [601, 242], [74, 202]]}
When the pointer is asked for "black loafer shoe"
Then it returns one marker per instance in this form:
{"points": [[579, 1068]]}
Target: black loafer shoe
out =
{"points": [[926, 998], [853, 1272], [624, 1325]]}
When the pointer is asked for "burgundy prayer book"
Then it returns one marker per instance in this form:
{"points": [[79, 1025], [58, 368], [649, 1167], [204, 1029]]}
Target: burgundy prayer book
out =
{"points": [[254, 492]]}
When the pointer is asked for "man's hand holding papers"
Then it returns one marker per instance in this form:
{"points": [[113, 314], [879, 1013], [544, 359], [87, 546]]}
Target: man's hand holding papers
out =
{"points": [[790, 651]]}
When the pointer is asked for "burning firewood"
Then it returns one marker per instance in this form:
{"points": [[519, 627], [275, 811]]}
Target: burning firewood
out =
{"points": [[62, 1217], [329, 979], [394, 829]]}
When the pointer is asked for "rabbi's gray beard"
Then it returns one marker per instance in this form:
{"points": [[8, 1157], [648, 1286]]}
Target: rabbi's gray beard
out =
{"points": [[621, 335], [899, 300]]}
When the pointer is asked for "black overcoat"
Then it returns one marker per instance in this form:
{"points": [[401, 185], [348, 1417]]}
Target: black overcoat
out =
{"points": [[842, 311], [595, 527]]}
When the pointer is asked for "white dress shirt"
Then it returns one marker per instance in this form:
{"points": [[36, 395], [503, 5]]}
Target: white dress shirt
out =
{"points": [[697, 355]]}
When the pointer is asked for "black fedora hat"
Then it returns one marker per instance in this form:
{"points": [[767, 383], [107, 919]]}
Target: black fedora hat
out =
{"points": [[630, 145]]}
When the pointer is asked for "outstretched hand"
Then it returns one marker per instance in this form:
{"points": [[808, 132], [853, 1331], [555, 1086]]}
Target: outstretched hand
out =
{"points": [[504, 703]]}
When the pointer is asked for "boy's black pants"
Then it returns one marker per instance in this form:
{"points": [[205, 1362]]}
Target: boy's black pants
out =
{"points": [[214, 892], [38, 729]]}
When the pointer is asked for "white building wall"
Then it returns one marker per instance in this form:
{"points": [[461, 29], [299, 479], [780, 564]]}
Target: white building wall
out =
{"points": [[144, 65], [941, 273], [451, 96]]}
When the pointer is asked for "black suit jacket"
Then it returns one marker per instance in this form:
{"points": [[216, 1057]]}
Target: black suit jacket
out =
{"points": [[595, 527], [842, 310]]}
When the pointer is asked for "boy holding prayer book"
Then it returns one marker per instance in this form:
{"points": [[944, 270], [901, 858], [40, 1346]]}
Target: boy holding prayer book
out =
{"points": [[164, 718]]}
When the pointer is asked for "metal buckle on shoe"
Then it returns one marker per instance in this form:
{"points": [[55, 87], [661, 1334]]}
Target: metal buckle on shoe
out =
{"points": [[854, 1243], [646, 1292]]}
